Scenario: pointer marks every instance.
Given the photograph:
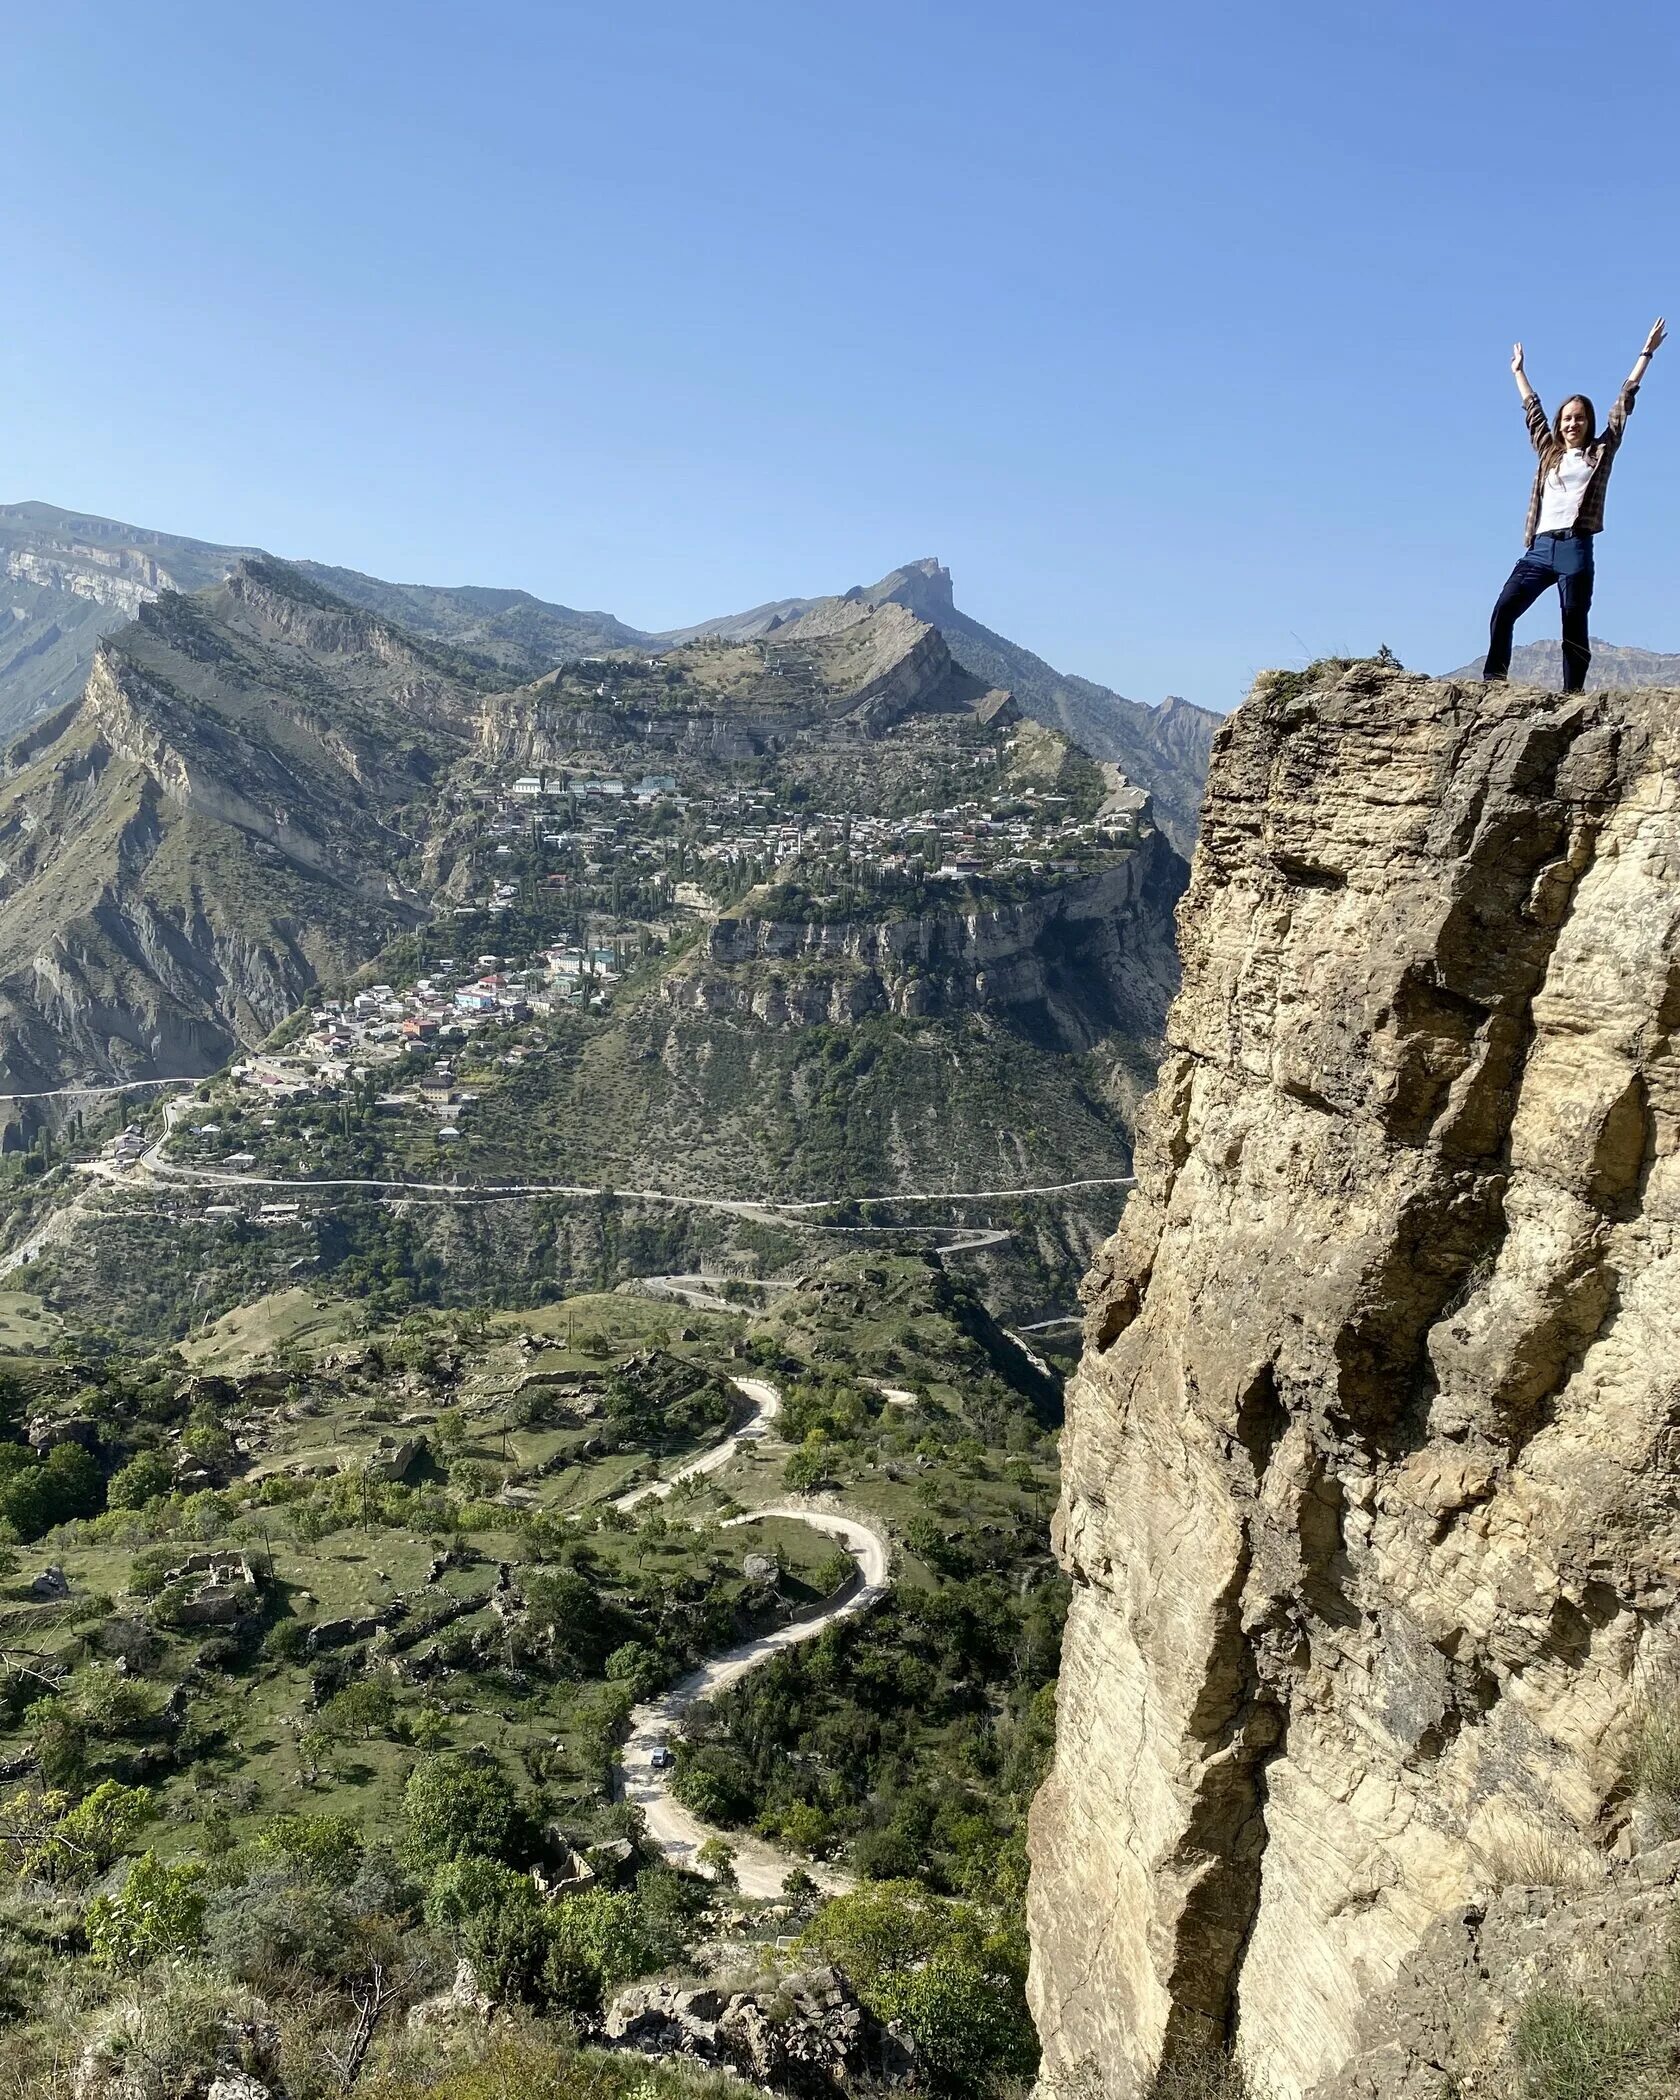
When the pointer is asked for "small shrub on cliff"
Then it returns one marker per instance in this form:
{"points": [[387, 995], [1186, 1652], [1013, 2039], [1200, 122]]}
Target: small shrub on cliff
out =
{"points": [[1654, 1762], [1204, 2074], [1571, 2047]]}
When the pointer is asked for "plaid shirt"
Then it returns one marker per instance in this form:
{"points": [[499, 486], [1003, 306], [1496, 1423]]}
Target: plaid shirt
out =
{"points": [[1602, 453]]}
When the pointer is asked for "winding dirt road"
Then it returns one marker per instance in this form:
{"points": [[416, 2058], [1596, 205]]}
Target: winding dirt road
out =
{"points": [[760, 1869], [767, 1405]]}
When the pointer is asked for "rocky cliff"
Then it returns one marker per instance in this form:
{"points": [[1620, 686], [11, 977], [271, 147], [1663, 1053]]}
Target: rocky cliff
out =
{"points": [[1371, 1459], [66, 581], [1067, 966]]}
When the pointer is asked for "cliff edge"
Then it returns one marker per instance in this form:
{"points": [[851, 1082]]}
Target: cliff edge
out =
{"points": [[1371, 1459]]}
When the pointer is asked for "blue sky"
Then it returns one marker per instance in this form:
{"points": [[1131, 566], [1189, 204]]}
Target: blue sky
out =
{"points": [[1179, 333]]}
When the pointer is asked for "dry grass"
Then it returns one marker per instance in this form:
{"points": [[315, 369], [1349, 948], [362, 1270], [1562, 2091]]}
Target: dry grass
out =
{"points": [[1531, 1858], [1654, 1754]]}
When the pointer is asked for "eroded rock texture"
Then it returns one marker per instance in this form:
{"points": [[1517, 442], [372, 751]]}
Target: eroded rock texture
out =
{"points": [[1371, 1459]]}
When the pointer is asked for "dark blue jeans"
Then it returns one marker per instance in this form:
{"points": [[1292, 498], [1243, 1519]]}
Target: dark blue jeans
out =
{"points": [[1562, 558]]}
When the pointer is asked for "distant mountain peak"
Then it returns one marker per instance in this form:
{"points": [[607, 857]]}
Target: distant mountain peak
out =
{"points": [[923, 587]]}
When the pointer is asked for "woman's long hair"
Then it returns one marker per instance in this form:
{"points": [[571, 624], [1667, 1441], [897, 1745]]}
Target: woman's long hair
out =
{"points": [[1558, 448]]}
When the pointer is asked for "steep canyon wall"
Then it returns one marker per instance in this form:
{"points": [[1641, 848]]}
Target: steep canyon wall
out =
{"points": [[1371, 1459]]}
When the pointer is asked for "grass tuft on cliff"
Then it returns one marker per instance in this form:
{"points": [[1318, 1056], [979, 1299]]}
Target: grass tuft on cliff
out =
{"points": [[1573, 2047]]}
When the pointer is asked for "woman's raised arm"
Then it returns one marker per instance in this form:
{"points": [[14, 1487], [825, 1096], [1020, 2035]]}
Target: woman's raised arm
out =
{"points": [[1519, 375], [1653, 343]]}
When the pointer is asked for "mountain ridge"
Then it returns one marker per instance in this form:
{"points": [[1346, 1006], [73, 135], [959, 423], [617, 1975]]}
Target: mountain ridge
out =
{"points": [[1164, 748], [1616, 666], [75, 577], [213, 822]]}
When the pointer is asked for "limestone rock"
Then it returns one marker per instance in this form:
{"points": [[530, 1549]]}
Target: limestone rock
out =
{"points": [[805, 2035], [1370, 1467], [464, 2004], [1448, 2022]]}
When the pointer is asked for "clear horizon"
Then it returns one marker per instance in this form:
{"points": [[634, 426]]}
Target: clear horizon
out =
{"points": [[1181, 341]]}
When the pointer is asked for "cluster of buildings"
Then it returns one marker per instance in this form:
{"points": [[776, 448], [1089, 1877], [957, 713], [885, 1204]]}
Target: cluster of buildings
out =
{"points": [[350, 1039], [721, 831], [622, 845]]}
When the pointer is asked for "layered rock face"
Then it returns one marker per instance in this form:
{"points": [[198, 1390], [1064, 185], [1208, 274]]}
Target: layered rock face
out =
{"points": [[1371, 1458], [1080, 961]]}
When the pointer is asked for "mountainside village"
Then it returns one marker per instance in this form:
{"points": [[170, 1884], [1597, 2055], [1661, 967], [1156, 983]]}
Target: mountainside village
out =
{"points": [[633, 869]]}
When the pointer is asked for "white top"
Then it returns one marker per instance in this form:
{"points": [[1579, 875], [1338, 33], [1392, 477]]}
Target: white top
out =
{"points": [[1562, 490]]}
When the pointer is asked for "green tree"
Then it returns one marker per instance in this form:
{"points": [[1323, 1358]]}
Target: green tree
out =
{"points": [[66, 1484], [807, 1467], [60, 1738], [158, 1911], [495, 1917], [718, 1855], [320, 1848], [970, 2026], [363, 1709], [458, 1805], [147, 1475], [602, 1936], [953, 1973], [44, 1838]]}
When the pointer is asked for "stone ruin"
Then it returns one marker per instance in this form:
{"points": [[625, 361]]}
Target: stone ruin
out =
{"points": [[224, 1587]]}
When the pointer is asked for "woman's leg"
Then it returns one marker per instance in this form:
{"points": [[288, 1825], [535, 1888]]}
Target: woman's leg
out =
{"points": [[1576, 593], [1526, 582]]}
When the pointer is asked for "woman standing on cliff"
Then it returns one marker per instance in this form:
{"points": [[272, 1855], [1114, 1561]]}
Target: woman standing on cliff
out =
{"points": [[1565, 510]]}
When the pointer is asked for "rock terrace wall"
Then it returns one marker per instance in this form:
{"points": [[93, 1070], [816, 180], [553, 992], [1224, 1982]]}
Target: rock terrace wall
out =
{"points": [[1371, 1459]]}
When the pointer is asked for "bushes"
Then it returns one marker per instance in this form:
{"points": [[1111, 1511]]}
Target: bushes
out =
{"points": [[563, 1956], [158, 1911], [36, 1494], [42, 1837], [947, 1971], [146, 1476], [459, 1806], [715, 1782], [154, 2041], [318, 1848]]}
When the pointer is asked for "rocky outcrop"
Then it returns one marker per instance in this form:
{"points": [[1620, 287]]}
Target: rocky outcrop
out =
{"points": [[1072, 963], [806, 2035], [845, 669], [1451, 2023], [1370, 1468]]}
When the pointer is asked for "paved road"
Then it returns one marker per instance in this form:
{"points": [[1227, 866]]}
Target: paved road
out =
{"points": [[760, 1869], [89, 1093], [488, 1191], [767, 1405]]}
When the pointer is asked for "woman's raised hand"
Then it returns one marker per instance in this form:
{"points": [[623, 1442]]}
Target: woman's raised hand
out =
{"points": [[1653, 342], [1517, 357]]}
